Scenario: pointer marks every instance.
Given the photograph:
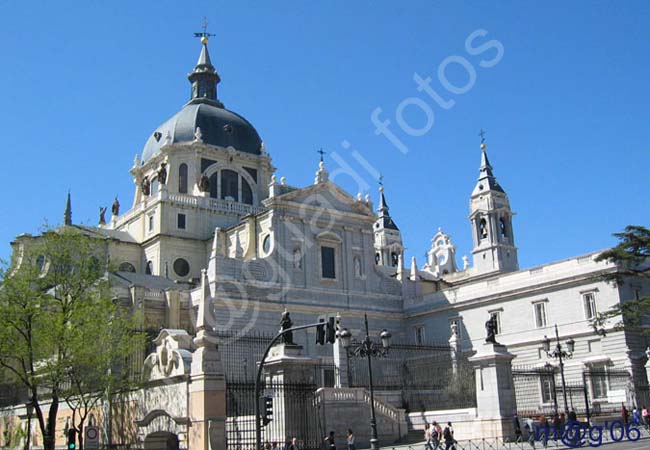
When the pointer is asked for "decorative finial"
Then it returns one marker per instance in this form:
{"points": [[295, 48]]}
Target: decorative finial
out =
{"points": [[482, 134], [204, 35], [283, 180]]}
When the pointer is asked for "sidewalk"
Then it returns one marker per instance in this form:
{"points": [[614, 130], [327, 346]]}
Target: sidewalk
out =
{"points": [[499, 444]]}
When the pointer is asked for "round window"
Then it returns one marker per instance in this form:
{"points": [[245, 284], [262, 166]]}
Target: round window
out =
{"points": [[266, 244], [181, 267], [126, 267]]}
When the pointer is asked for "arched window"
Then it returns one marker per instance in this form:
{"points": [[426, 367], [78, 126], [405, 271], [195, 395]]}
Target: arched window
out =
{"points": [[214, 186], [246, 192], [503, 227], [149, 268], [229, 185], [394, 259], [377, 258], [154, 186], [182, 178], [482, 229]]}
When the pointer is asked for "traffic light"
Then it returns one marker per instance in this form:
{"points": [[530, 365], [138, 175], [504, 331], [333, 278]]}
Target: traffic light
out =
{"points": [[320, 332], [72, 438], [266, 408], [331, 331]]}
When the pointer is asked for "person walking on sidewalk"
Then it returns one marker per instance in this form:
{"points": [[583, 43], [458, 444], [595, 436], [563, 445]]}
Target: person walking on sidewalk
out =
{"points": [[517, 427], [448, 436], [436, 435], [427, 436], [351, 440]]}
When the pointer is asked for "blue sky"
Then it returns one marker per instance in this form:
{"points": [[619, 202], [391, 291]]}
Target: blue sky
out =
{"points": [[565, 108]]}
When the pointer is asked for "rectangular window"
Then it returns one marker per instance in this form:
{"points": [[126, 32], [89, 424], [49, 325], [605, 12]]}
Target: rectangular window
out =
{"points": [[328, 265], [497, 314], [547, 389], [540, 314], [419, 335], [180, 222], [598, 375], [150, 224], [589, 303]]}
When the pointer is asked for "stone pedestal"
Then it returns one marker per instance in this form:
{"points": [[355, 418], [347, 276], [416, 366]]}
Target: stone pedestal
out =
{"points": [[288, 379], [207, 388], [495, 393]]}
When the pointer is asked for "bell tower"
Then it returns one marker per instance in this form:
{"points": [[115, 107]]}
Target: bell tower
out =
{"points": [[388, 239], [491, 218]]}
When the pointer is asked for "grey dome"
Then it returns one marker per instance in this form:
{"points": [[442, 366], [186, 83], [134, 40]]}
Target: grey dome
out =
{"points": [[218, 127]]}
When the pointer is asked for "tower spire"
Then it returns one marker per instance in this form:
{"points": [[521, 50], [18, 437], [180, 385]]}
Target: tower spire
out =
{"points": [[486, 179], [67, 214], [204, 77], [382, 210]]}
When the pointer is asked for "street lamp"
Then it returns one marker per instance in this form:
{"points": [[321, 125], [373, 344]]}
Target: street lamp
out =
{"points": [[368, 349], [559, 353]]}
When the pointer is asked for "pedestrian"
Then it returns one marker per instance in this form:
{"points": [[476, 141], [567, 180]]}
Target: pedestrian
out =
{"points": [[448, 436], [543, 424], [625, 415], [287, 445], [294, 444], [635, 415], [351, 440], [274, 446], [267, 445], [573, 416], [329, 442], [531, 436], [436, 435], [427, 436], [517, 427], [645, 414]]}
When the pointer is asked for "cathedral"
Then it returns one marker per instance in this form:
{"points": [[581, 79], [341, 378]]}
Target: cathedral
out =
{"points": [[211, 226]]}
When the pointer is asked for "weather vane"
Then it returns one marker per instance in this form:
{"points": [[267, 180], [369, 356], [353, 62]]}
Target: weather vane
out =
{"points": [[321, 154], [204, 33], [381, 180], [482, 134]]}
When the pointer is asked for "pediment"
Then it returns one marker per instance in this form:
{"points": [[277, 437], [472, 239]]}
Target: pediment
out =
{"points": [[329, 196]]}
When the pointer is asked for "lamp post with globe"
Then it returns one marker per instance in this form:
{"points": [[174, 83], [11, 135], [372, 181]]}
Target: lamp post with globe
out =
{"points": [[560, 354], [368, 349]]}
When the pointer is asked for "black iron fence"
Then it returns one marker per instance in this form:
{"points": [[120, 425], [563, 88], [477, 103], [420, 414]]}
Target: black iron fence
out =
{"points": [[539, 391], [428, 377]]}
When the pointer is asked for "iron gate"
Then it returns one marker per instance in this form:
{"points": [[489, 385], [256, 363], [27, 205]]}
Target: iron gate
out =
{"points": [[295, 410]]}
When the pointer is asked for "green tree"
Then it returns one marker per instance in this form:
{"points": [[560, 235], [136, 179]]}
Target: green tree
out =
{"points": [[61, 335], [632, 258]]}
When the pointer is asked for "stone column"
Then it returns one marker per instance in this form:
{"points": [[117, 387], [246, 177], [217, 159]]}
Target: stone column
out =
{"points": [[495, 394], [287, 373], [341, 362]]}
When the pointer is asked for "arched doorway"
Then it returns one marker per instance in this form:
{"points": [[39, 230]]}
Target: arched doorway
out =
{"points": [[161, 440]]}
